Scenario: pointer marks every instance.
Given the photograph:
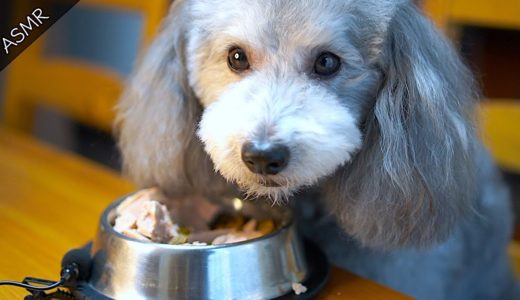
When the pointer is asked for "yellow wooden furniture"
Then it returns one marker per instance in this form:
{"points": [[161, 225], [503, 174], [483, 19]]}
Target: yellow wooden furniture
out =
{"points": [[487, 13], [82, 91], [51, 202], [500, 127]]}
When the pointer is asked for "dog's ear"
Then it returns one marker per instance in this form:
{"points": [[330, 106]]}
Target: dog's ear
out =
{"points": [[158, 114], [413, 180]]}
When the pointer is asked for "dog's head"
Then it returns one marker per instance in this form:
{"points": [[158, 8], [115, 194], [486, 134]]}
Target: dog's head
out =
{"points": [[361, 97]]}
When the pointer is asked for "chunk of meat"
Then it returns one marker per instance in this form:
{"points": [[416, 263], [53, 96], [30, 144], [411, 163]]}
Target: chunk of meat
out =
{"points": [[142, 214], [154, 222], [133, 203]]}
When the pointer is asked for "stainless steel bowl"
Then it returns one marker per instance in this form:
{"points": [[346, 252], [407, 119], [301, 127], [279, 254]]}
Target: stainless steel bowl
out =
{"points": [[262, 268]]}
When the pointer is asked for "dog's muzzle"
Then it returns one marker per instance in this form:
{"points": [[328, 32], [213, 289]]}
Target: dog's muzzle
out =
{"points": [[265, 158]]}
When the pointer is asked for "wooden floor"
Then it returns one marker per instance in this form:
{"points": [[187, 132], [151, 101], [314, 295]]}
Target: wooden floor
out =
{"points": [[51, 202]]}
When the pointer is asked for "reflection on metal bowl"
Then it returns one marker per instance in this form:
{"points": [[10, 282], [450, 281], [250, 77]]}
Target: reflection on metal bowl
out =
{"points": [[261, 268]]}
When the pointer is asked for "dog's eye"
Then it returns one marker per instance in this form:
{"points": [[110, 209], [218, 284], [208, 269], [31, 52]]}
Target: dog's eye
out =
{"points": [[327, 64], [237, 60]]}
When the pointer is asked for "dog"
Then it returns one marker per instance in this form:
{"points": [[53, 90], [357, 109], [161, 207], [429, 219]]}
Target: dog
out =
{"points": [[358, 113]]}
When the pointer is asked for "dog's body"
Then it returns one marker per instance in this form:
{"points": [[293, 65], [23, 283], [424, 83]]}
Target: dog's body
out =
{"points": [[471, 264], [361, 101]]}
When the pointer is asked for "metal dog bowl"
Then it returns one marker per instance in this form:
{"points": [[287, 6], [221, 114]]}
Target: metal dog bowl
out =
{"points": [[262, 268]]}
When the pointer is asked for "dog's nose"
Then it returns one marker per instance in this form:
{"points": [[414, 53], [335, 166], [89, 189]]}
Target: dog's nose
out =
{"points": [[265, 160]]}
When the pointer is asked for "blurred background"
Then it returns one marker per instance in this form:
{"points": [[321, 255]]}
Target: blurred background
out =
{"points": [[63, 88]]}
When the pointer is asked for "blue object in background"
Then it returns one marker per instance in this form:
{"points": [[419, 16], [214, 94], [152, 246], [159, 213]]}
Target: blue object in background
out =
{"points": [[104, 37]]}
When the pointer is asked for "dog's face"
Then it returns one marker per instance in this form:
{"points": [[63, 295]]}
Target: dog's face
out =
{"points": [[363, 99], [284, 88]]}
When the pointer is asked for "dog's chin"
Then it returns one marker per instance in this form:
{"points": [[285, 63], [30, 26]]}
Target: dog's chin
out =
{"points": [[268, 189], [270, 183]]}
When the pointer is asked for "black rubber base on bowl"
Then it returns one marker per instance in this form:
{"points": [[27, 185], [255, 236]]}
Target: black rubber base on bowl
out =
{"points": [[85, 292], [317, 264]]}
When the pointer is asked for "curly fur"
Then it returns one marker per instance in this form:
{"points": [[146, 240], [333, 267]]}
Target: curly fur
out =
{"points": [[416, 162], [386, 150]]}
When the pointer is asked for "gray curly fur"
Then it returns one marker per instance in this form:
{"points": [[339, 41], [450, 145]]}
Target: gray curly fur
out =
{"points": [[414, 178], [420, 207]]}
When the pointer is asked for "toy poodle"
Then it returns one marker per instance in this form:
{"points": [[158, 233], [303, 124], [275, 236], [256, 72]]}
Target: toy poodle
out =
{"points": [[358, 113]]}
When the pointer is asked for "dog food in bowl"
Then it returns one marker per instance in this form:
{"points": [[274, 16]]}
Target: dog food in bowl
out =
{"points": [[148, 216]]}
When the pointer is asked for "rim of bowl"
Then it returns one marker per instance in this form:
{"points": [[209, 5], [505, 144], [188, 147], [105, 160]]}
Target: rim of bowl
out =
{"points": [[106, 226]]}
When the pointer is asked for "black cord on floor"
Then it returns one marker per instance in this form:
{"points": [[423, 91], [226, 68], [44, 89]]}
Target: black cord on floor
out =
{"points": [[31, 287]]}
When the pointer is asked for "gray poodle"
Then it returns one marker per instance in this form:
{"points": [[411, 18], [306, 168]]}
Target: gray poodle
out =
{"points": [[357, 112]]}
